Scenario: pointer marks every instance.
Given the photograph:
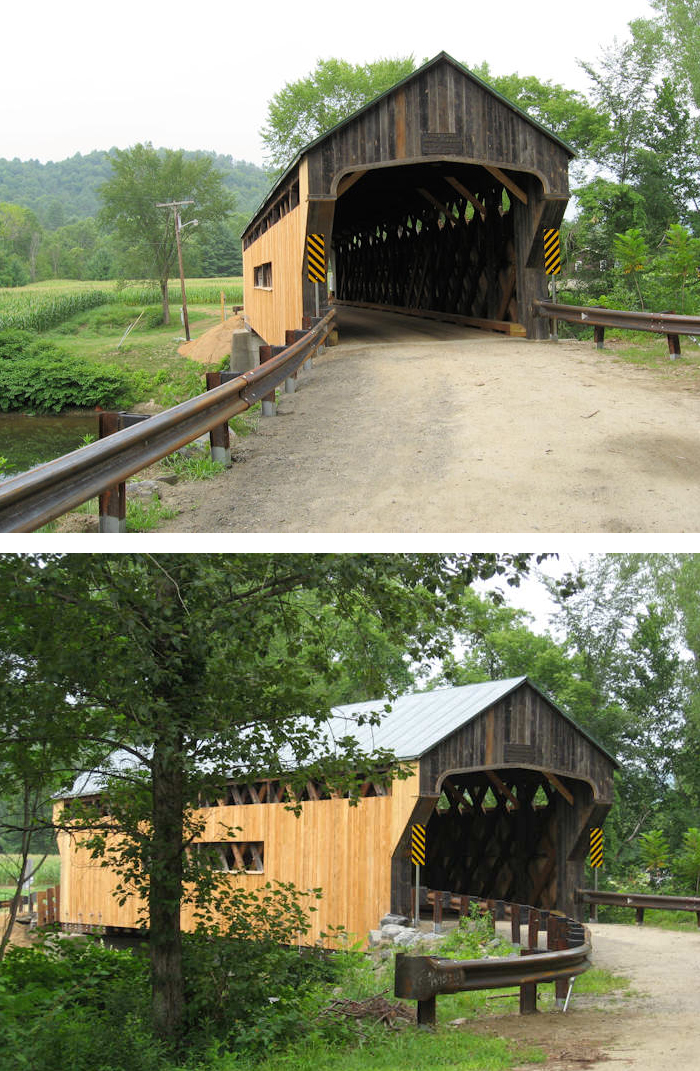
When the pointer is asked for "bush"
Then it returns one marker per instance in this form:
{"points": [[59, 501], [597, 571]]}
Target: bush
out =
{"points": [[39, 376], [73, 1003]]}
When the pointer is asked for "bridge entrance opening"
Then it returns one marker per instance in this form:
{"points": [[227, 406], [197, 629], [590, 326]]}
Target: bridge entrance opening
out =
{"points": [[506, 834], [438, 237]]}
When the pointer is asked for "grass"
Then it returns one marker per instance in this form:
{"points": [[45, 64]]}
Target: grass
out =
{"points": [[647, 350], [47, 876], [382, 1050]]}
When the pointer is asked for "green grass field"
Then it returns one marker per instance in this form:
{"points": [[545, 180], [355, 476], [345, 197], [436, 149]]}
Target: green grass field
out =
{"points": [[47, 876]]}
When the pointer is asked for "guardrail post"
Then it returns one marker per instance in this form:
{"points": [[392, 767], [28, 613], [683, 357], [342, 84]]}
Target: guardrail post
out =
{"points": [[290, 382], [515, 923], [639, 917], [112, 502], [556, 942], [437, 916], [599, 336], [533, 928], [219, 437], [425, 1012], [269, 406], [528, 992], [674, 346]]}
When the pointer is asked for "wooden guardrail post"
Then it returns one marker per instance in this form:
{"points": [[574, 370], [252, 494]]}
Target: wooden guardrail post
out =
{"points": [[269, 405], [112, 502], [290, 383], [219, 437]]}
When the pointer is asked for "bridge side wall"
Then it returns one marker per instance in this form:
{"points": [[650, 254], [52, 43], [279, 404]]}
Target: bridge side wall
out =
{"points": [[271, 311], [345, 850]]}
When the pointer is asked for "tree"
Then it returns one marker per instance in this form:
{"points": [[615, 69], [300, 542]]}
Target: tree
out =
{"points": [[565, 112], [202, 668], [143, 178], [304, 110], [679, 21]]}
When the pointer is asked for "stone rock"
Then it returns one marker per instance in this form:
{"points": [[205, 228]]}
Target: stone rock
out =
{"points": [[143, 489], [376, 937], [406, 938], [394, 920], [392, 930]]}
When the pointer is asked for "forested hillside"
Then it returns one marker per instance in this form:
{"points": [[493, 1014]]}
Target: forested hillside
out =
{"points": [[62, 191], [49, 226]]}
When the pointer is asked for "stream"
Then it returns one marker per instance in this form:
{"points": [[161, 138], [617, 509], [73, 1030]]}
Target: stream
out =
{"points": [[26, 441]]}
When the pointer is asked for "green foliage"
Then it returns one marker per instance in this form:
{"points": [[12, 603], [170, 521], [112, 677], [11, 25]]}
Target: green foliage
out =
{"points": [[72, 1003], [38, 376], [654, 850], [687, 862], [194, 467], [144, 178], [304, 110]]}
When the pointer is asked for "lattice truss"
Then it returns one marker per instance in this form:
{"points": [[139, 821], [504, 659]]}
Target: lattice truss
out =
{"points": [[232, 856], [441, 246], [273, 791], [494, 835]]}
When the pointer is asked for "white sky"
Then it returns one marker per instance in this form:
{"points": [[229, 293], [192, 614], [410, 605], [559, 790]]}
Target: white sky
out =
{"points": [[77, 76]]}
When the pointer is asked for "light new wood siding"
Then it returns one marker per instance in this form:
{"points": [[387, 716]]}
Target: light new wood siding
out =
{"points": [[345, 850], [272, 312]]}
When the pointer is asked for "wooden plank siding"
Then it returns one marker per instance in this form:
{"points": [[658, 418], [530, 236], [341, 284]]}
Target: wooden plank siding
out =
{"points": [[345, 850], [445, 116], [272, 312], [526, 720]]}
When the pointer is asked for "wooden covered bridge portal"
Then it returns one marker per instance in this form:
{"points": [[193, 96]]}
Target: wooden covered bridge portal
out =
{"points": [[433, 199], [508, 786]]}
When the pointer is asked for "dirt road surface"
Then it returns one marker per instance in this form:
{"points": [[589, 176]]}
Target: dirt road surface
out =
{"points": [[654, 1029], [413, 426]]}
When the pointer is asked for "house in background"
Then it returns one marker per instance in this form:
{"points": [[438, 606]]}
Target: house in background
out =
{"points": [[507, 785]]}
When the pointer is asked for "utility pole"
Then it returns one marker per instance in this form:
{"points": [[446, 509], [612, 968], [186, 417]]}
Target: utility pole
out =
{"points": [[176, 205]]}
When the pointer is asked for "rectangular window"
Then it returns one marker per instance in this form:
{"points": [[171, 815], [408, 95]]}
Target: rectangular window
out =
{"points": [[262, 276], [248, 856]]}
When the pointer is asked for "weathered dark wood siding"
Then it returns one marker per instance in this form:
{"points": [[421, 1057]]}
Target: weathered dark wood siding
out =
{"points": [[526, 731], [441, 111]]}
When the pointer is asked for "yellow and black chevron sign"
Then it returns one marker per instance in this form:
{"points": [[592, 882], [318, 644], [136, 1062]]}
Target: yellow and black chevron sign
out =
{"points": [[316, 257], [552, 253], [596, 847], [418, 845]]}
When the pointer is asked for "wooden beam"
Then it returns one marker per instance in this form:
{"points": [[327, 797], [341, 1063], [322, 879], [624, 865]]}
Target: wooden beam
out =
{"points": [[502, 789], [507, 182], [347, 181], [556, 783], [438, 204], [466, 193]]}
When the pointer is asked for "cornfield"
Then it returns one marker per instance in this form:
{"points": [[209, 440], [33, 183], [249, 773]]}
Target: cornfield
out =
{"points": [[38, 310], [42, 306]]}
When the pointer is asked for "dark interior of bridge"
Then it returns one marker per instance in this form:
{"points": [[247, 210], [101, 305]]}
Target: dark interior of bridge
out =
{"points": [[431, 236], [494, 834]]}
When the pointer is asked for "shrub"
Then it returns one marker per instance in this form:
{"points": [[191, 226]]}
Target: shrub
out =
{"points": [[73, 1003], [39, 376]]}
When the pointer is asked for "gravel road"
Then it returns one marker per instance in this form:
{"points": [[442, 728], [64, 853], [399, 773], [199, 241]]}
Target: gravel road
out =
{"points": [[422, 427], [654, 1029]]}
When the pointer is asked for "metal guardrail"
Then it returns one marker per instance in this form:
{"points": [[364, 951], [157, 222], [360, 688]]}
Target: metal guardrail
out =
{"points": [[640, 901], [661, 323], [423, 978], [48, 491]]}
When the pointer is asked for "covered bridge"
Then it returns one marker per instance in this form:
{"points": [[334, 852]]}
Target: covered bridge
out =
{"points": [[506, 783], [434, 198]]}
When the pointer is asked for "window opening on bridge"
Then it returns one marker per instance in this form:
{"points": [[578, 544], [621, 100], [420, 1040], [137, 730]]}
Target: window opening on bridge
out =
{"points": [[232, 856], [263, 276]]}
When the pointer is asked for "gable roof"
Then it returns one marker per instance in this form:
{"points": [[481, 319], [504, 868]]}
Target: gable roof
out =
{"points": [[442, 57], [420, 721]]}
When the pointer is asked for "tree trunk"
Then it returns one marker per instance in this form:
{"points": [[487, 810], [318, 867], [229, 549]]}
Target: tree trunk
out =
{"points": [[166, 306], [165, 885], [17, 897]]}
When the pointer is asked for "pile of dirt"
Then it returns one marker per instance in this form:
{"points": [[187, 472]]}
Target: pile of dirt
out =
{"points": [[214, 344]]}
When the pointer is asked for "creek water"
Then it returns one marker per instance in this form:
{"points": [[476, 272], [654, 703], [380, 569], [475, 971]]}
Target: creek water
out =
{"points": [[26, 441]]}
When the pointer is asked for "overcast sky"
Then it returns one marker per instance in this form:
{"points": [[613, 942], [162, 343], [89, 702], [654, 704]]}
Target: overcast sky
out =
{"points": [[77, 76]]}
